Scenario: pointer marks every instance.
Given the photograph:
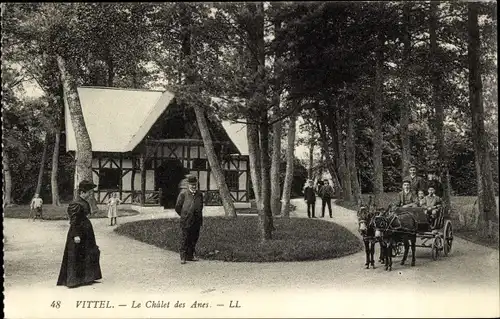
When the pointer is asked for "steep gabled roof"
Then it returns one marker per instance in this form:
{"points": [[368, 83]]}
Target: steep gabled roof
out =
{"points": [[238, 134], [118, 119]]}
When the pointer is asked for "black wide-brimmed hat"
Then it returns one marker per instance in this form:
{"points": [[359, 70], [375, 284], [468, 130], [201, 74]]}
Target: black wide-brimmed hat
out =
{"points": [[86, 185], [191, 179]]}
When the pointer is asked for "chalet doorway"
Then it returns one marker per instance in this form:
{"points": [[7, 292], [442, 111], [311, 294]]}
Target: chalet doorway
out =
{"points": [[167, 178]]}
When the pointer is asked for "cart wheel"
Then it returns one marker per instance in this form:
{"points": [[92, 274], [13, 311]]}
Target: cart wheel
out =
{"points": [[448, 238], [436, 247]]}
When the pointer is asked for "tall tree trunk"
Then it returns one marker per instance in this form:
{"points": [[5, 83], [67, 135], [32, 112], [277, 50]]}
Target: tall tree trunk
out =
{"points": [[311, 158], [55, 168], [325, 149], [343, 169], [486, 196], [7, 179], [275, 166], [378, 111], [256, 40], [111, 67], [277, 131], [188, 56], [290, 157], [83, 143], [438, 107], [266, 216], [254, 157], [42, 164], [227, 201], [405, 107], [351, 154]]}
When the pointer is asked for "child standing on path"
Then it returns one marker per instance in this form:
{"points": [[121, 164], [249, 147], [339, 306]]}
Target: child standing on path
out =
{"points": [[113, 203], [36, 206]]}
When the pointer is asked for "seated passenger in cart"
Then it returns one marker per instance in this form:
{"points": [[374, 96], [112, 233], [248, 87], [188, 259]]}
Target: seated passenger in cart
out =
{"points": [[432, 205], [420, 201], [406, 198], [433, 180]]}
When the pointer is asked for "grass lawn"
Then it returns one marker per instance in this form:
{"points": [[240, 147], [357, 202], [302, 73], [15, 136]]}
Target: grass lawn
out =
{"points": [[463, 204], [237, 240], [57, 212]]}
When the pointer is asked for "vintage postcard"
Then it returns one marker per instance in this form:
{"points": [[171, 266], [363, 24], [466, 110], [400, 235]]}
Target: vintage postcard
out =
{"points": [[250, 159]]}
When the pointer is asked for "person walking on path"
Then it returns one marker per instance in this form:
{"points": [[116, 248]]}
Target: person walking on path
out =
{"points": [[113, 203], [80, 264], [36, 207], [310, 199], [327, 193], [189, 207]]}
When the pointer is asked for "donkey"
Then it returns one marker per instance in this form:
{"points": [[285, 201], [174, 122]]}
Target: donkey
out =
{"points": [[392, 228], [366, 229]]}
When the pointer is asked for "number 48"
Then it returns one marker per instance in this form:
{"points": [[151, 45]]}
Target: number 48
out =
{"points": [[56, 304]]}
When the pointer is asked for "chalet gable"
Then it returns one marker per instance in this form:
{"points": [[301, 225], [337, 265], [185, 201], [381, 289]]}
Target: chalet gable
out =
{"points": [[119, 119]]}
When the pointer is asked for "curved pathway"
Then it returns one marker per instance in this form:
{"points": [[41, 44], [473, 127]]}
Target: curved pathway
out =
{"points": [[464, 284]]}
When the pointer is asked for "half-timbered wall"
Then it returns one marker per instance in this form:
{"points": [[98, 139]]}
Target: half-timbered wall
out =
{"points": [[192, 157], [124, 187]]}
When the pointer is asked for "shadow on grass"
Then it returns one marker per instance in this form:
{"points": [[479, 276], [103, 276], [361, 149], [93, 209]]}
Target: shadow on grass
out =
{"points": [[238, 240], [58, 212]]}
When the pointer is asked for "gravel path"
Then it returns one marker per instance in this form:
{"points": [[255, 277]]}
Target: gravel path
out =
{"points": [[464, 284]]}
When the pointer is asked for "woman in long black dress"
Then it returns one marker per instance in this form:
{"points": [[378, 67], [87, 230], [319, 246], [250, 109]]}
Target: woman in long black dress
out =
{"points": [[80, 264]]}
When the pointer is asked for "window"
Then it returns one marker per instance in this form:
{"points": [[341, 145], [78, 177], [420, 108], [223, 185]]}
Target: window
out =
{"points": [[109, 178], [199, 164], [232, 180]]}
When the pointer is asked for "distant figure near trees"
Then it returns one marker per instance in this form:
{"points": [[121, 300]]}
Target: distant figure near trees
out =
{"points": [[36, 207], [326, 193], [310, 199], [113, 203]]}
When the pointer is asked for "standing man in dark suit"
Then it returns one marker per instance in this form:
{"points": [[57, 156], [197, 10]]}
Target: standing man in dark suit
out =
{"points": [[327, 193], [416, 182], [189, 207], [310, 198]]}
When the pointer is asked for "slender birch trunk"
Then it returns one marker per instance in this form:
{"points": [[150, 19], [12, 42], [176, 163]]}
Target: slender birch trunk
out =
{"points": [[83, 143], [290, 157]]}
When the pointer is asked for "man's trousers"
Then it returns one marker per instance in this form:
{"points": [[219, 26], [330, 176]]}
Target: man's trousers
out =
{"points": [[189, 238]]}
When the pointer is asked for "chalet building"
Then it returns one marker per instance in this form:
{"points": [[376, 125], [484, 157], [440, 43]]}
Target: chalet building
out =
{"points": [[144, 143]]}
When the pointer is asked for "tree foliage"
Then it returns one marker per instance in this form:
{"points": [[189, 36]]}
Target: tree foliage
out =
{"points": [[322, 58]]}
